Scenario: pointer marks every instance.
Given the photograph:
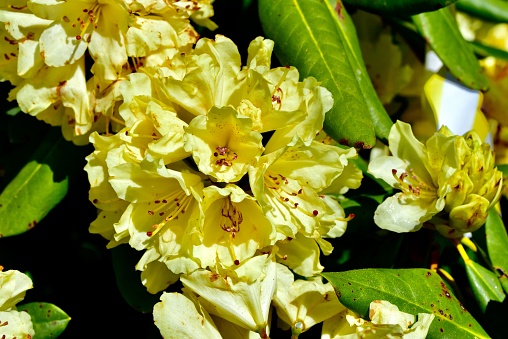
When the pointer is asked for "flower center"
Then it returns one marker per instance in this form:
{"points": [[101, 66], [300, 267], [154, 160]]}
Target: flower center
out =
{"points": [[169, 207], [410, 183], [280, 187], [231, 219], [225, 156]]}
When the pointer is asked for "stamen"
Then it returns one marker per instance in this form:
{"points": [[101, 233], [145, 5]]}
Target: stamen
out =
{"points": [[284, 194], [225, 156], [233, 218], [174, 209], [410, 183], [91, 15], [277, 93]]}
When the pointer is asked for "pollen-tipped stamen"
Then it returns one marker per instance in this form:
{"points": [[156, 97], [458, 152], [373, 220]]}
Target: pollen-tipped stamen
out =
{"points": [[178, 203], [277, 183], [410, 183]]}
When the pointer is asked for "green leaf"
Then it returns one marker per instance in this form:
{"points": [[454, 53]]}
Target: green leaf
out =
{"points": [[319, 38], [484, 284], [440, 30], [28, 198], [484, 51], [382, 122], [13, 111], [399, 7], [490, 10], [497, 245], [33, 192], [129, 280], [413, 291], [49, 321]]}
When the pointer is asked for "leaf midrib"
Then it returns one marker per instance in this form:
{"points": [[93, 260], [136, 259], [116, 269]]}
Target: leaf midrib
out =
{"points": [[318, 48]]}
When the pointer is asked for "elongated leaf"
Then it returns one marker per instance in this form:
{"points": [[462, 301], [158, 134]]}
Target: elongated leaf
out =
{"points": [[382, 122], [484, 284], [40, 184], [490, 10], [413, 291], [28, 198], [497, 245], [49, 321], [442, 33], [399, 7], [314, 37], [485, 51], [33, 192]]}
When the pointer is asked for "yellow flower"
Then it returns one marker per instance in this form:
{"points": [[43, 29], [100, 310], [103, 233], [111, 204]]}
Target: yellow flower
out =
{"points": [[179, 316], [233, 227], [223, 144], [49, 38], [13, 287], [301, 304], [242, 296], [288, 182], [450, 183], [386, 322]]}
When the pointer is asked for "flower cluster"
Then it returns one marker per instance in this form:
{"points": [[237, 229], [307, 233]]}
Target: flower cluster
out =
{"points": [[449, 183], [46, 43], [13, 323], [223, 176]]}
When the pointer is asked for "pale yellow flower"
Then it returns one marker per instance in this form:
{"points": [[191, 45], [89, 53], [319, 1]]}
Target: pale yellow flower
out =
{"points": [[13, 287], [451, 182], [233, 227], [301, 304], [241, 296], [223, 144], [386, 322]]}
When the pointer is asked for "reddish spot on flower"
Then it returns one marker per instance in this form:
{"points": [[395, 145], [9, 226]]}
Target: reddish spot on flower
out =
{"points": [[315, 213], [149, 234], [237, 262]]}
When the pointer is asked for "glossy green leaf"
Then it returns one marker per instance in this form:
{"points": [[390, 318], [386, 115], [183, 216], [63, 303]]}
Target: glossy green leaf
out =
{"points": [[490, 10], [382, 122], [440, 30], [484, 284], [129, 280], [49, 321], [319, 38], [485, 51], [497, 245], [413, 291], [399, 7], [28, 198], [35, 190]]}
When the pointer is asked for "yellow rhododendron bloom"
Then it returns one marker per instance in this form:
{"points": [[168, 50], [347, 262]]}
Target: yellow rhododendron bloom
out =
{"points": [[233, 226], [187, 179], [386, 322], [451, 182], [223, 144], [49, 41], [301, 304], [178, 316], [241, 296], [13, 287]]}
